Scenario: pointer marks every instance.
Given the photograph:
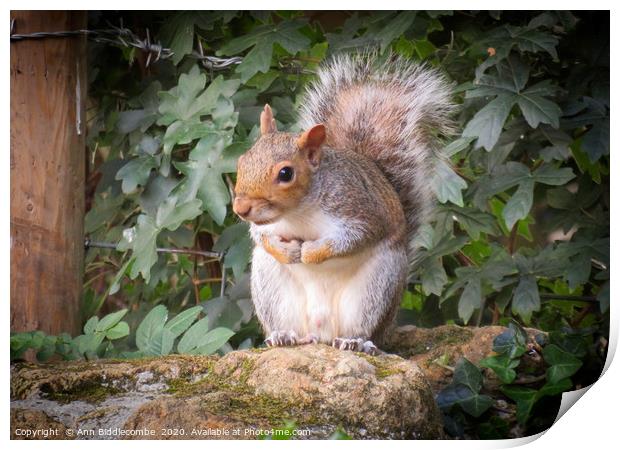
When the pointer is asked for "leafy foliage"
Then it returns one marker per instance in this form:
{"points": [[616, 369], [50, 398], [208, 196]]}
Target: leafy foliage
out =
{"points": [[155, 336], [521, 231], [524, 379]]}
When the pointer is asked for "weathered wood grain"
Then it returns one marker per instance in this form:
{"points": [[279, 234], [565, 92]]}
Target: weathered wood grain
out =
{"points": [[48, 91]]}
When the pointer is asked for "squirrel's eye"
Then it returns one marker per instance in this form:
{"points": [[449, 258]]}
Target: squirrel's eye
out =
{"points": [[285, 174]]}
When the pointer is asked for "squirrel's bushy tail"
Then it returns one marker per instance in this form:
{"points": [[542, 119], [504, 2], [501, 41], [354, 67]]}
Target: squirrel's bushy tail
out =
{"points": [[392, 112]]}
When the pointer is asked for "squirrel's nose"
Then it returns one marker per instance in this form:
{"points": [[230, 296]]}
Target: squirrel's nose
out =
{"points": [[242, 207]]}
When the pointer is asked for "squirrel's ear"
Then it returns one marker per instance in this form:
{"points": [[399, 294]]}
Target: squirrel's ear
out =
{"points": [[310, 141], [267, 122]]}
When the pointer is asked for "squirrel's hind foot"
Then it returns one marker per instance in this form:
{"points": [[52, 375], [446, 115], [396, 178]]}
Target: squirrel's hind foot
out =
{"points": [[356, 345]]}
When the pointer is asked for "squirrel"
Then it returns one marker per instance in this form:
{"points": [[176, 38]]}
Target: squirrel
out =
{"points": [[333, 210]]}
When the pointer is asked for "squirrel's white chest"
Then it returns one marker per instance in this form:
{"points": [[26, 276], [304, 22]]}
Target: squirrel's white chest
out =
{"points": [[320, 297]]}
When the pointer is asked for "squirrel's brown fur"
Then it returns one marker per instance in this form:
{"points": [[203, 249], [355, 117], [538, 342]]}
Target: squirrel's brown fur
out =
{"points": [[332, 210]]}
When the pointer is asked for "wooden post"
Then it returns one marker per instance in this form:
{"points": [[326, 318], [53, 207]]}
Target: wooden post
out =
{"points": [[48, 93]]}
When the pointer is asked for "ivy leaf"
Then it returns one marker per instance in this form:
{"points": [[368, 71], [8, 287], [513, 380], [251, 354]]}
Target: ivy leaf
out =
{"points": [[525, 398], [519, 205], [487, 124], [447, 184], [470, 300], [467, 374], [551, 389], [262, 39], [503, 367], [453, 394], [476, 405], [563, 364], [511, 342], [526, 298]]}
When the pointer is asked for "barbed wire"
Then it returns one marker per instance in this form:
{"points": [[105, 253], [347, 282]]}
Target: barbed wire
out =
{"points": [[124, 37]]}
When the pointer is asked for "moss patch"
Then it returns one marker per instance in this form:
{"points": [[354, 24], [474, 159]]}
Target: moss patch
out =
{"points": [[427, 341], [382, 368], [88, 392]]}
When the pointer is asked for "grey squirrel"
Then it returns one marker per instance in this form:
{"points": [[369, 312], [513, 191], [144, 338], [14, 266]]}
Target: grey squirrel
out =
{"points": [[333, 210]]}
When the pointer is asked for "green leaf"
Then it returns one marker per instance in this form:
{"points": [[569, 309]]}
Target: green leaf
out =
{"points": [[192, 337], [120, 330], [434, 277], [89, 326], [136, 172], [453, 394], [213, 340], [189, 100], [488, 123], [563, 364], [511, 342], [171, 215], [142, 239], [262, 38], [596, 141], [471, 299], [476, 405], [151, 328], [551, 389], [503, 367], [182, 321], [207, 162], [537, 110], [473, 221], [447, 184], [467, 374], [519, 205], [525, 398], [236, 244], [526, 298], [456, 146], [603, 297], [110, 320], [395, 28], [548, 174]]}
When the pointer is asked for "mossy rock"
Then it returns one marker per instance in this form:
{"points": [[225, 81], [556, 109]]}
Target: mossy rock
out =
{"points": [[316, 386]]}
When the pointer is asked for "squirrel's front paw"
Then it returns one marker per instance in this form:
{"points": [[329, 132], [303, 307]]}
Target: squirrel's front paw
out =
{"points": [[285, 252], [281, 338], [315, 252]]}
